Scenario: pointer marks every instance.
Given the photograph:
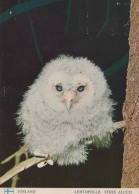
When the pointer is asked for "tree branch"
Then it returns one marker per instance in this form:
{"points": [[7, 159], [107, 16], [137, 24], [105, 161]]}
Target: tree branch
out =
{"points": [[17, 161], [20, 167], [21, 151], [119, 125]]}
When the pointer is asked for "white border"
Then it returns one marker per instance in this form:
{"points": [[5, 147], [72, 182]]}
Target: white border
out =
{"points": [[68, 191]]}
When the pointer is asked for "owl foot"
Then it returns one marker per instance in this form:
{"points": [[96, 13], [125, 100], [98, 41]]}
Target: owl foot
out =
{"points": [[43, 154], [44, 163]]}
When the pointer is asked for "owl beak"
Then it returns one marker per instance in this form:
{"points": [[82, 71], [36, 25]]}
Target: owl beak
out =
{"points": [[68, 105], [68, 99]]}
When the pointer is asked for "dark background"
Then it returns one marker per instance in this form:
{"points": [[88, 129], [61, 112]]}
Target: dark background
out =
{"points": [[32, 38]]}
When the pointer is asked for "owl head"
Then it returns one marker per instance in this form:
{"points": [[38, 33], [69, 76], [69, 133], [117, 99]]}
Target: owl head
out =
{"points": [[70, 84]]}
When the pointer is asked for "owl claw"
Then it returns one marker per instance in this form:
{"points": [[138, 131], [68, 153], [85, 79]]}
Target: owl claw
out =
{"points": [[50, 162], [44, 163]]}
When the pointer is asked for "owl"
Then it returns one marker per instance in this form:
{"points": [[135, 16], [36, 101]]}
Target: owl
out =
{"points": [[67, 106]]}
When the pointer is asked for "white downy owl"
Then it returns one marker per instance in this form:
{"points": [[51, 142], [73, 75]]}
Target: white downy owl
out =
{"points": [[67, 105]]}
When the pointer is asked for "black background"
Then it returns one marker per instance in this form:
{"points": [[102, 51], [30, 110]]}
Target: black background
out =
{"points": [[20, 64]]}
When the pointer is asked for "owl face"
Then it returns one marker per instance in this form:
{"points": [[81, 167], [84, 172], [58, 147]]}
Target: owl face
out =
{"points": [[69, 93], [69, 85]]}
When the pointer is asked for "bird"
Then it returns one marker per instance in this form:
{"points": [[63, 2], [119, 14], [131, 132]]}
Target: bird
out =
{"points": [[67, 107]]}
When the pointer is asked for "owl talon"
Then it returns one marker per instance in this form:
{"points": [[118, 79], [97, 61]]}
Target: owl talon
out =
{"points": [[50, 162], [44, 163]]}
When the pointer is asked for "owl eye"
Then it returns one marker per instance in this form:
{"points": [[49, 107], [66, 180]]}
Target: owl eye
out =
{"points": [[59, 88], [81, 88]]}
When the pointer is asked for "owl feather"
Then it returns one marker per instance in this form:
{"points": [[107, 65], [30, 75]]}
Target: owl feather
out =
{"points": [[68, 104]]}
